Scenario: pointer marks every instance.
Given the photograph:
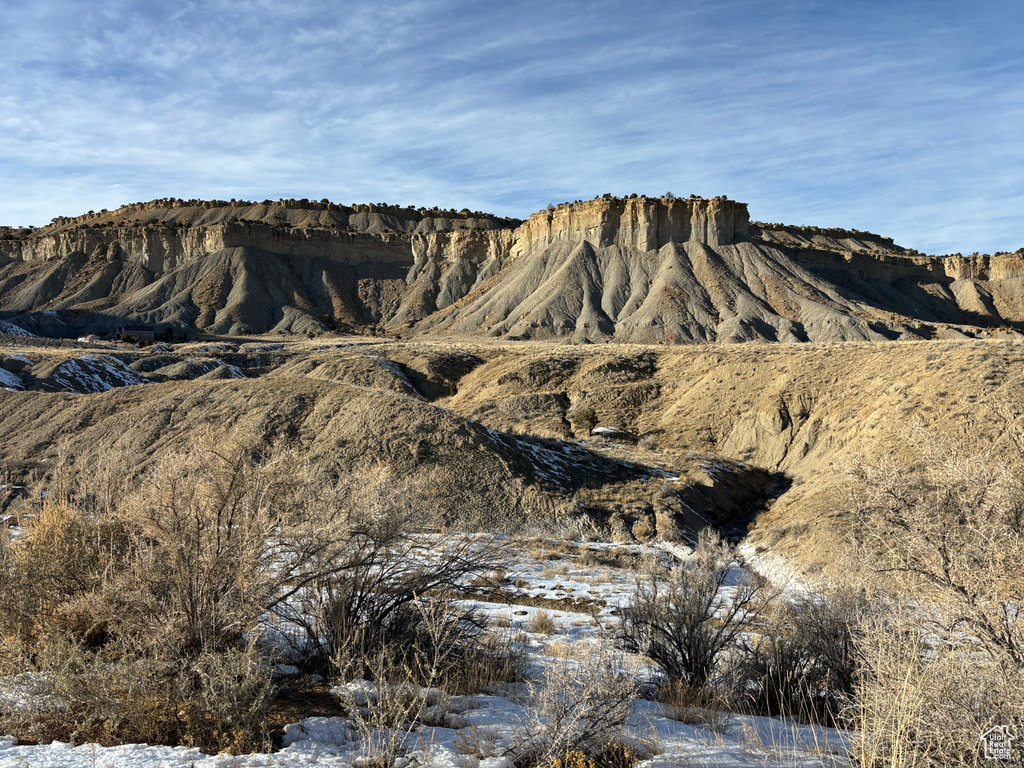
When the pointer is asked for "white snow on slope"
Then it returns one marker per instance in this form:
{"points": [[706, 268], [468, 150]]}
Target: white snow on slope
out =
{"points": [[222, 348], [234, 372], [773, 567], [13, 330], [10, 380], [560, 464], [91, 374], [395, 370]]}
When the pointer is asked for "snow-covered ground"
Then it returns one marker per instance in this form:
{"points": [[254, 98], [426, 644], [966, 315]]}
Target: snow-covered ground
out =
{"points": [[13, 330], [10, 381], [562, 597], [94, 374]]}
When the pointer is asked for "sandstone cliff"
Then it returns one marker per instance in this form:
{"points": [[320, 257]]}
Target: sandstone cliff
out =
{"points": [[292, 266], [638, 269], [667, 271], [643, 223]]}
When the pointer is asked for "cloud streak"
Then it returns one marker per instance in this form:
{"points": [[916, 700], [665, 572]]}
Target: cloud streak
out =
{"points": [[899, 118]]}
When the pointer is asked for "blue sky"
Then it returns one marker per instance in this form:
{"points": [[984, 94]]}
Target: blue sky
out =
{"points": [[902, 117]]}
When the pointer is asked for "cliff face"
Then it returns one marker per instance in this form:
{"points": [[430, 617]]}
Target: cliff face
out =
{"points": [[688, 270], [164, 248], [637, 269], [236, 268], [448, 265], [165, 242], [645, 224]]}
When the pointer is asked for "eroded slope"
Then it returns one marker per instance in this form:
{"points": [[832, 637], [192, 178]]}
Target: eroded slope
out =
{"points": [[634, 270], [705, 434]]}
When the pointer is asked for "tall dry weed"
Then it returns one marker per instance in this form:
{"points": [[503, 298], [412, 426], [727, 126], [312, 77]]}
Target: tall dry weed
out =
{"points": [[922, 703], [942, 657]]}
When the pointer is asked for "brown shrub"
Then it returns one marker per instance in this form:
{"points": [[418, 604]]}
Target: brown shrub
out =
{"points": [[579, 707], [682, 619], [802, 658], [136, 607], [942, 657]]}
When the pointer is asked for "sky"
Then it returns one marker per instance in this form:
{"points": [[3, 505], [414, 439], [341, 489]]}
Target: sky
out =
{"points": [[900, 117]]}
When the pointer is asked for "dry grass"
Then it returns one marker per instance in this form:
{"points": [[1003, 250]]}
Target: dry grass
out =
{"points": [[135, 602], [559, 569], [572, 650], [695, 706], [924, 705], [573, 604], [823, 389], [321, 398], [478, 742], [541, 623]]}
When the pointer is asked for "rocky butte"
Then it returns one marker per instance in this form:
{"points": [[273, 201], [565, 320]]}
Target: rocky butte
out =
{"points": [[637, 269]]}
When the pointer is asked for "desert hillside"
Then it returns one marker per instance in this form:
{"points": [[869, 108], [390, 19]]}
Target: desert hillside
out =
{"points": [[458, 347], [754, 434], [633, 270]]}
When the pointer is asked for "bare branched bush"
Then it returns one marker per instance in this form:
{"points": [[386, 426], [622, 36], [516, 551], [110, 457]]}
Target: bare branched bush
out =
{"points": [[161, 585], [684, 619], [223, 535], [226, 698], [944, 660], [952, 533], [801, 659], [412, 686], [369, 597], [578, 707], [386, 709]]}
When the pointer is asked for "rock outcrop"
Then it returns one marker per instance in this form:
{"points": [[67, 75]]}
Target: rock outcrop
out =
{"points": [[293, 267], [641, 223], [638, 269], [680, 271]]}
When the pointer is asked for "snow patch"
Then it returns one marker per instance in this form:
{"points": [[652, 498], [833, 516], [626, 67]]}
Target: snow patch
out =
{"points": [[13, 330], [777, 569], [10, 380], [233, 371], [90, 375]]}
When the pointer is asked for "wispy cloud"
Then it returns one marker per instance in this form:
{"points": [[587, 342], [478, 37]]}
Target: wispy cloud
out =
{"points": [[896, 117]]}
